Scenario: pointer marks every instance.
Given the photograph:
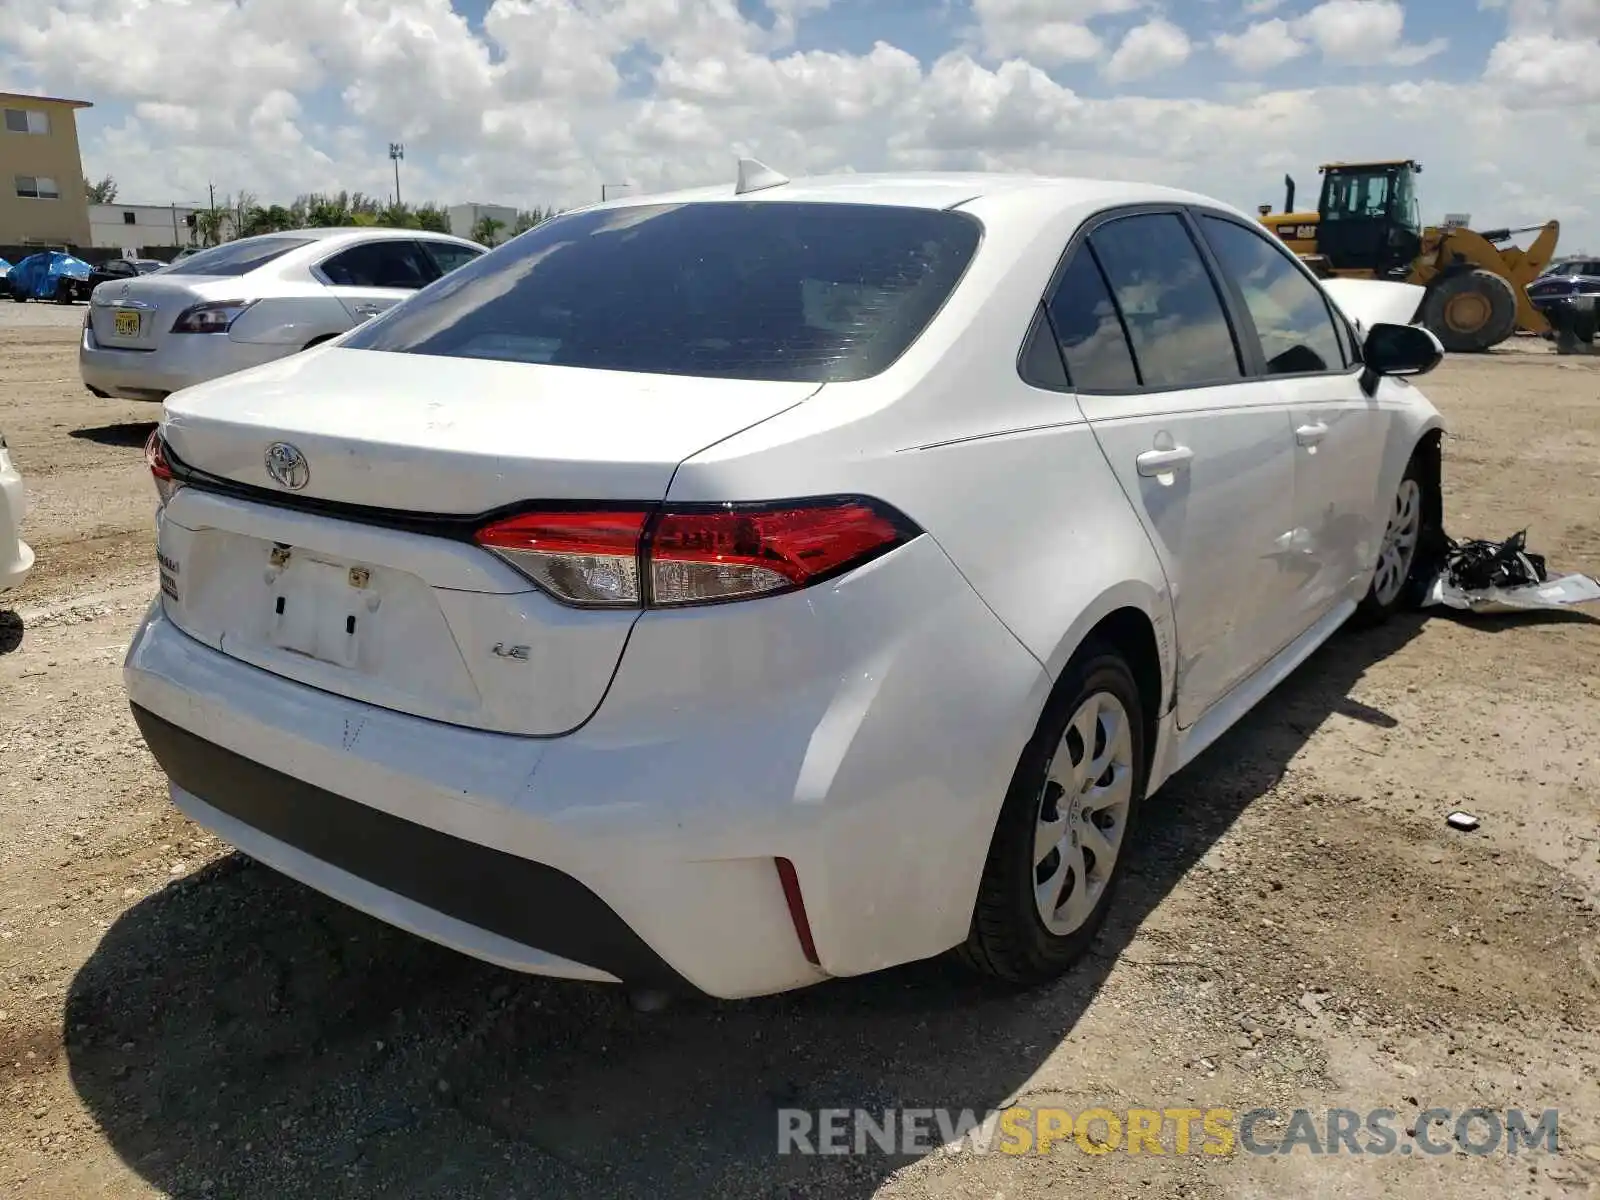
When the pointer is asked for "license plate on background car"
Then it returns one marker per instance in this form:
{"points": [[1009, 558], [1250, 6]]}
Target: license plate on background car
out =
{"points": [[127, 323]]}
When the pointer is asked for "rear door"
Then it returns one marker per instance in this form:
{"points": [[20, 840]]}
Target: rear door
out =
{"points": [[372, 277], [1340, 432], [1203, 452]]}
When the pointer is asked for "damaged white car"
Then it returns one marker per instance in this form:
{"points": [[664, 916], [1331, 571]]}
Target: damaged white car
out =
{"points": [[740, 588]]}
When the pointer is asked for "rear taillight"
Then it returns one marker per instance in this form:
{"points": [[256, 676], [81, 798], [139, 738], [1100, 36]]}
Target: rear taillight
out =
{"points": [[693, 555], [587, 558], [214, 317], [155, 457]]}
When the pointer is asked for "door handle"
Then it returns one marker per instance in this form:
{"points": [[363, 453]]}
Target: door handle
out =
{"points": [[1160, 462], [1310, 435], [369, 310]]}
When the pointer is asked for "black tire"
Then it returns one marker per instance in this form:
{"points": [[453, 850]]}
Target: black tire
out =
{"points": [[1376, 608], [1471, 312], [1008, 940], [317, 341]]}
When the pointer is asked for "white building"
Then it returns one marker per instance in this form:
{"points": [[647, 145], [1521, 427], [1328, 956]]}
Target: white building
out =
{"points": [[464, 219], [129, 226]]}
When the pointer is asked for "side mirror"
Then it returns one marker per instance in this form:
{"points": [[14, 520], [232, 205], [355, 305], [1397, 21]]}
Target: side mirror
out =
{"points": [[1399, 350]]}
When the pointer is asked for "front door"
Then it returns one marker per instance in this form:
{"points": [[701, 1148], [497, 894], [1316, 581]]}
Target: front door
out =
{"points": [[1339, 431]]}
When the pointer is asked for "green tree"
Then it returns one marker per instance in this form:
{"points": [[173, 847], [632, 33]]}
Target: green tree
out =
{"points": [[397, 216], [104, 192], [274, 219], [487, 230], [528, 218], [432, 217]]}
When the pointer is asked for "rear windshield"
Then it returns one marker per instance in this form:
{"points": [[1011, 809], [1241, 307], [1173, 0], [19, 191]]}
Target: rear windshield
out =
{"points": [[236, 258], [767, 290]]}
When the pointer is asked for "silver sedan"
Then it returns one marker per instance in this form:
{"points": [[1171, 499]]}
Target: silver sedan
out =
{"points": [[251, 301]]}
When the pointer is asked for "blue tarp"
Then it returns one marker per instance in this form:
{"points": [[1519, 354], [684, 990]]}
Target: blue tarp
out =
{"points": [[35, 276]]}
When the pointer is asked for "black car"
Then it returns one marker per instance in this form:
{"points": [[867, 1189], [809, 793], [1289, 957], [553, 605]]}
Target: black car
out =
{"points": [[120, 268], [1567, 294]]}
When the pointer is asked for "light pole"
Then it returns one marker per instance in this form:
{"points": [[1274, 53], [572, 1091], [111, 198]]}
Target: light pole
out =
{"points": [[397, 151]]}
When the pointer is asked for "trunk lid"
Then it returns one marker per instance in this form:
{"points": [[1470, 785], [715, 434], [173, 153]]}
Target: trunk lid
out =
{"points": [[421, 433], [430, 625]]}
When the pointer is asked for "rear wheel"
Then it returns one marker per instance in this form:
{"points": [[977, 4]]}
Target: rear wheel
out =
{"points": [[1062, 837], [1472, 311]]}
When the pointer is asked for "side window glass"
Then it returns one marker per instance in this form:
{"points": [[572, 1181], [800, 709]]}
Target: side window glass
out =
{"points": [[1088, 331], [1040, 363], [1290, 313], [396, 264], [1168, 301], [449, 256]]}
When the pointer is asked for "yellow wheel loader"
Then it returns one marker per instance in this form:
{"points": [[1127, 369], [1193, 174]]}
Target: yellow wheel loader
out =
{"points": [[1367, 226]]}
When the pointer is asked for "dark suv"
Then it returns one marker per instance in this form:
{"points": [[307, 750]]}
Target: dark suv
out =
{"points": [[1566, 293]]}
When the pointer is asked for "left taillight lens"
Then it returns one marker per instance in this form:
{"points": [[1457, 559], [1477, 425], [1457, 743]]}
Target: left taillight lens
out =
{"points": [[693, 555], [210, 318], [155, 457]]}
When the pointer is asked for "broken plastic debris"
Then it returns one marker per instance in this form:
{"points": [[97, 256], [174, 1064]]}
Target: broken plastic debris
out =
{"points": [[1499, 577], [1464, 821]]}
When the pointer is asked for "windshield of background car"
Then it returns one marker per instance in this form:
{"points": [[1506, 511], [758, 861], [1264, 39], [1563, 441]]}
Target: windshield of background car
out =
{"points": [[799, 292], [236, 258]]}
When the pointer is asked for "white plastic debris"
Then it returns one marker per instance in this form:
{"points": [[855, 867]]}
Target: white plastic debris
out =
{"points": [[1463, 821]]}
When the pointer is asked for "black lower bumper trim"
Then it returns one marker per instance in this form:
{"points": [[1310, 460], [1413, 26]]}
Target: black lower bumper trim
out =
{"points": [[525, 901]]}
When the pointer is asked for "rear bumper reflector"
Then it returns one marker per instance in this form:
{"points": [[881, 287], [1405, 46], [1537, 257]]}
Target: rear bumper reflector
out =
{"points": [[797, 910]]}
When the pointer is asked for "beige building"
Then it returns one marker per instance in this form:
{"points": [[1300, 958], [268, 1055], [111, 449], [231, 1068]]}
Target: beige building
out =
{"points": [[42, 199]]}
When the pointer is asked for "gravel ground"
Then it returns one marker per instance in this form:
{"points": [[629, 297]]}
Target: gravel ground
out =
{"points": [[1300, 929], [34, 315]]}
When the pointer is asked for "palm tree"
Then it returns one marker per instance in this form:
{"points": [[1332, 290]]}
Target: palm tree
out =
{"points": [[487, 231]]}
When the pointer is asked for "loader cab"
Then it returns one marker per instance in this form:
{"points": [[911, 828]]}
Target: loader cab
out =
{"points": [[1369, 219]]}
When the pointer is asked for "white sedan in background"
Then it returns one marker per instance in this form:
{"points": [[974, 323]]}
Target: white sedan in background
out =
{"points": [[16, 558], [740, 588], [251, 301]]}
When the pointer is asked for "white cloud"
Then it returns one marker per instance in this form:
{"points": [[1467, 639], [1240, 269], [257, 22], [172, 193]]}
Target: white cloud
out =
{"points": [[1364, 33], [1157, 45], [1261, 47], [277, 97], [1538, 69], [1050, 32]]}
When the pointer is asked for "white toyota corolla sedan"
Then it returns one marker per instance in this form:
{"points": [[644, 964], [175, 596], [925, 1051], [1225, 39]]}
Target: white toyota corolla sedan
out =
{"points": [[251, 301], [735, 589]]}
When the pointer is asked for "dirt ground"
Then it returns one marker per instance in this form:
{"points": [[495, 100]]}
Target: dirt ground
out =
{"points": [[1301, 928]]}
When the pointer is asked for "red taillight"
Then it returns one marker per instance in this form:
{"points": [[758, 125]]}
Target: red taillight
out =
{"points": [[692, 555], [155, 457], [587, 558]]}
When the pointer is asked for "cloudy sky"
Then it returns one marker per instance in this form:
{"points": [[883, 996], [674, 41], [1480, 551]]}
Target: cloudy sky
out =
{"points": [[541, 101]]}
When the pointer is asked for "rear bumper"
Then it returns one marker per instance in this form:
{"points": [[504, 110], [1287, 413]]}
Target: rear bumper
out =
{"points": [[642, 848], [516, 900], [180, 361]]}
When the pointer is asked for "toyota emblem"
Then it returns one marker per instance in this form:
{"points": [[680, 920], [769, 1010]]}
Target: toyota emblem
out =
{"points": [[287, 466]]}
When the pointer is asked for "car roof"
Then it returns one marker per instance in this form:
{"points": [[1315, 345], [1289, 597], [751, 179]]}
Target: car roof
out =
{"points": [[931, 189], [360, 231]]}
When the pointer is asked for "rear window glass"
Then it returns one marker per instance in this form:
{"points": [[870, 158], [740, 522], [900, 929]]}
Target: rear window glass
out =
{"points": [[236, 258], [765, 290]]}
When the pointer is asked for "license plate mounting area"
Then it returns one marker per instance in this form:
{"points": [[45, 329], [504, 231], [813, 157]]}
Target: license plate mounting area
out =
{"points": [[321, 609]]}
